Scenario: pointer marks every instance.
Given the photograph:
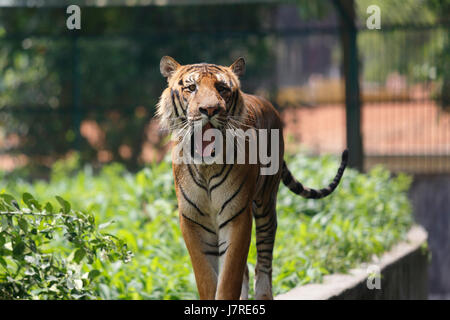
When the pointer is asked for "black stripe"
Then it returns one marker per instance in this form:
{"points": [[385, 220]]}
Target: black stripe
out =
{"points": [[265, 241], [224, 178], [298, 188], [190, 201], [234, 195], [216, 253], [173, 103], [195, 180], [265, 213], [215, 67], [210, 244], [234, 102], [271, 224], [196, 66], [266, 180], [265, 271], [258, 228], [287, 178], [325, 191], [258, 205], [264, 258], [205, 228], [265, 251], [270, 230], [313, 194], [198, 172], [179, 102], [215, 245], [236, 215], [217, 174]]}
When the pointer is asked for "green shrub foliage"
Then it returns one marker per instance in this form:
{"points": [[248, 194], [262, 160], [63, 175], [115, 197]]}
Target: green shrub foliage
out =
{"points": [[365, 216], [36, 262]]}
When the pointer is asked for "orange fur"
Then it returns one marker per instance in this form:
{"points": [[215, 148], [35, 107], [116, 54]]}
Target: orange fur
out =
{"points": [[216, 202]]}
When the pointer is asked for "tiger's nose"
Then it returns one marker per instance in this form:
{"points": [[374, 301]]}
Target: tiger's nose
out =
{"points": [[209, 111]]}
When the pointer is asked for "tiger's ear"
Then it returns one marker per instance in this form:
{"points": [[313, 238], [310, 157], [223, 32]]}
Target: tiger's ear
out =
{"points": [[168, 66], [238, 67]]}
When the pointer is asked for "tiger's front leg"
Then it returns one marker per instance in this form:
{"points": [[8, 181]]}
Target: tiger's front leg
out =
{"points": [[237, 234], [203, 250], [219, 262]]}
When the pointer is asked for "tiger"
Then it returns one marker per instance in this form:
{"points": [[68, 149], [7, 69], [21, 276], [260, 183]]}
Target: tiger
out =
{"points": [[217, 202]]}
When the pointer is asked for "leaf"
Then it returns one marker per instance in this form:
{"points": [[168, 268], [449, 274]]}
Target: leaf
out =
{"points": [[32, 246], [29, 272], [19, 248], [69, 283], [15, 204], [48, 207], [2, 262], [23, 224], [79, 255], [91, 219], [28, 199], [64, 204], [93, 274], [10, 201]]}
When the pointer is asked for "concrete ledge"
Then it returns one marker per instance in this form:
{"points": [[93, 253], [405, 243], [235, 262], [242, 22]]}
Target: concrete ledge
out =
{"points": [[403, 270]]}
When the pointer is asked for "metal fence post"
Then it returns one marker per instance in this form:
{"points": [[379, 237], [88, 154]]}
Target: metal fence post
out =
{"points": [[346, 9], [76, 91]]}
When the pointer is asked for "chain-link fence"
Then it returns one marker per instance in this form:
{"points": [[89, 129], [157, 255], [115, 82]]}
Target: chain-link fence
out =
{"points": [[95, 90]]}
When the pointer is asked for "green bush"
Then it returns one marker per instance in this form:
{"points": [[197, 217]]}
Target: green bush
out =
{"points": [[365, 216], [33, 267]]}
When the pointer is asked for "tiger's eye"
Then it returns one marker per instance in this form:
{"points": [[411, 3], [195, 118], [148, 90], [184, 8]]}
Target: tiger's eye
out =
{"points": [[222, 88], [192, 87]]}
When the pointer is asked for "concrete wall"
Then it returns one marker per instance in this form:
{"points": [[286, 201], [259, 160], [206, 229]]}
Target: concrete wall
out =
{"points": [[404, 275], [430, 197]]}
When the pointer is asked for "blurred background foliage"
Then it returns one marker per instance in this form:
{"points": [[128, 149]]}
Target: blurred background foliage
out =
{"points": [[392, 41], [58, 84], [108, 71]]}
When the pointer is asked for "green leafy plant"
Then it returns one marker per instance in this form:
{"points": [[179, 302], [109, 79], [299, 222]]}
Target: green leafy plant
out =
{"points": [[34, 265], [365, 216]]}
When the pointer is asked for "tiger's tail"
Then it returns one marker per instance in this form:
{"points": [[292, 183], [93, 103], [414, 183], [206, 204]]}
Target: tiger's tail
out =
{"points": [[296, 187]]}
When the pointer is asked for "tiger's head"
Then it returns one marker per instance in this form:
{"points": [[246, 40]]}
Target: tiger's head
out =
{"points": [[200, 92]]}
